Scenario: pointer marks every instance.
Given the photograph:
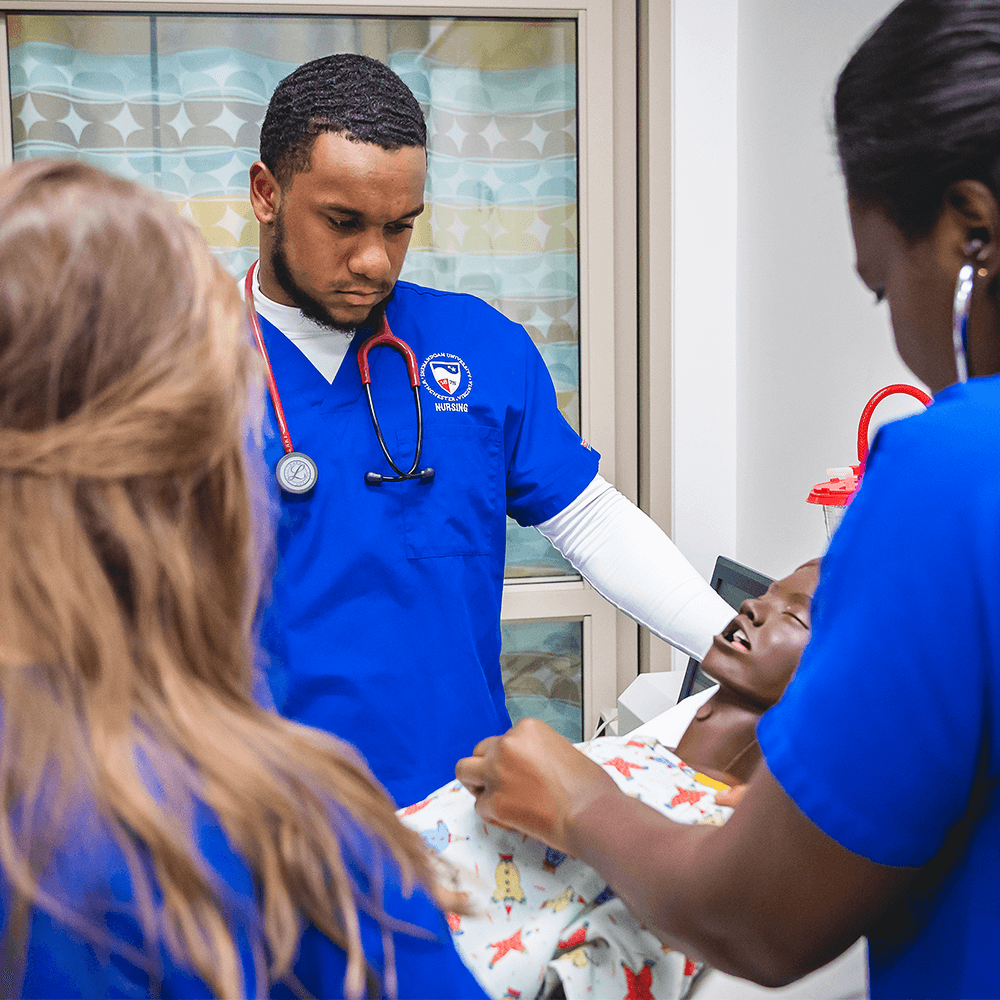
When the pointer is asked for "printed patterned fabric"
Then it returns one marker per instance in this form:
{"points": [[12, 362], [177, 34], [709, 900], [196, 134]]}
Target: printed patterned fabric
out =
{"points": [[543, 920], [177, 102]]}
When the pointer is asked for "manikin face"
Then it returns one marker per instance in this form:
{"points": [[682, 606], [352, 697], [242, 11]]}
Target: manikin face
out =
{"points": [[340, 230], [757, 653]]}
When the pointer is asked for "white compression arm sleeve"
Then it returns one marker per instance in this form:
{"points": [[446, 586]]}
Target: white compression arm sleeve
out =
{"points": [[630, 562]]}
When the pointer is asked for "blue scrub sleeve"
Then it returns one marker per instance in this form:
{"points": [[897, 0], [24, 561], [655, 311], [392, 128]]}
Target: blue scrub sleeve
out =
{"points": [[425, 966], [879, 737], [425, 962], [549, 464]]}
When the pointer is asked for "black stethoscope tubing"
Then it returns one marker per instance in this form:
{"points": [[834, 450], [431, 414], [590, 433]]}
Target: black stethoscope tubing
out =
{"points": [[296, 471], [386, 338]]}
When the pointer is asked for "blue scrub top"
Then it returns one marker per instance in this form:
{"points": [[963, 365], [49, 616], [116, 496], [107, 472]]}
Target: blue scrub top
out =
{"points": [[384, 627], [888, 737], [89, 877]]}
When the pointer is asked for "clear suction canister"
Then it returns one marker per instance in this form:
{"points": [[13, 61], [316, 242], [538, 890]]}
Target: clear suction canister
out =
{"points": [[836, 493]]}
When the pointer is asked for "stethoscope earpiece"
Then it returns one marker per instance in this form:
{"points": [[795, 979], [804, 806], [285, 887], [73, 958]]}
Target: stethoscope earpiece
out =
{"points": [[377, 479]]}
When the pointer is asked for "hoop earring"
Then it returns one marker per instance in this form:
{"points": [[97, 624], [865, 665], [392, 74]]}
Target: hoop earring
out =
{"points": [[960, 320]]}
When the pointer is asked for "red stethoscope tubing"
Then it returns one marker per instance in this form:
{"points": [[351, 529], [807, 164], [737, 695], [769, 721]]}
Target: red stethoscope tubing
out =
{"points": [[385, 338], [258, 336]]}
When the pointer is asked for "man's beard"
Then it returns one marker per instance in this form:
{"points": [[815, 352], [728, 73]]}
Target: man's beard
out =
{"points": [[310, 307]]}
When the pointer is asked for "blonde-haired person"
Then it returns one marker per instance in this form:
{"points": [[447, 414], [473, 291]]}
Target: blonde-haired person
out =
{"points": [[160, 833]]}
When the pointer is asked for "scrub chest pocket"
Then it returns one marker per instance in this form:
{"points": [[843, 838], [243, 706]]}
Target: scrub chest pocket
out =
{"points": [[456, 514]]}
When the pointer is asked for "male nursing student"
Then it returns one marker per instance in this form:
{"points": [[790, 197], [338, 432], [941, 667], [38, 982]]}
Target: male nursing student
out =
{"points": [[384, 624]]}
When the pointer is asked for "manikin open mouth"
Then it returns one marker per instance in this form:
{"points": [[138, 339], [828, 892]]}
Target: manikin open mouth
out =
{"points": [[738, 637]]}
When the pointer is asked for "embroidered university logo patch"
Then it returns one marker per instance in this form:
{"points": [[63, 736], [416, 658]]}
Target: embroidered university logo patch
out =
{"points": [[446, 376]]}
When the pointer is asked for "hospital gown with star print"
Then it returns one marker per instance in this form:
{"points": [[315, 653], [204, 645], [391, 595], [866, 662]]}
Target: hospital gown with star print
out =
{"points": [[541, 919]]}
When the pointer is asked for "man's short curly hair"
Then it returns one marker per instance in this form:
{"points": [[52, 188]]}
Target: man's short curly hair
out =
{"points": [[353, 95]]}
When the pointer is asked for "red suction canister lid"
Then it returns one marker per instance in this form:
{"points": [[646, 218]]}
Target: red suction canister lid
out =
{"points": [[838, 490], [843, 483]]}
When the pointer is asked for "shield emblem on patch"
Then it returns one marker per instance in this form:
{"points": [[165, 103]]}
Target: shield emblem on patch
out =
{"points": [[447, 375]]}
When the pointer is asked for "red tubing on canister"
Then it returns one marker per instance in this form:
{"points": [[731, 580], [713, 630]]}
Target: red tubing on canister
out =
{"points": [[837, 492], [866, 414]]}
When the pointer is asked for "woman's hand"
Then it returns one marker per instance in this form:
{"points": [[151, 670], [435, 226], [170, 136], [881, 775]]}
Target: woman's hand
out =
{"points": [[532, 780]]}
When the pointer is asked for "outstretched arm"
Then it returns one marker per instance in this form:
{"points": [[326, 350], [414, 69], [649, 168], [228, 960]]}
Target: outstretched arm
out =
{"points": [[630, 562], [768, 896]]}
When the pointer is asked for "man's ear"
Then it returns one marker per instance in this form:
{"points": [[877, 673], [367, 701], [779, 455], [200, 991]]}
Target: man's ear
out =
{"points": [[971, 221], [265, 193]]}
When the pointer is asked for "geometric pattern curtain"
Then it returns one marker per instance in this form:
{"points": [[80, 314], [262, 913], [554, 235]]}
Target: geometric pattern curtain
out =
{"points": [[177, 102]]}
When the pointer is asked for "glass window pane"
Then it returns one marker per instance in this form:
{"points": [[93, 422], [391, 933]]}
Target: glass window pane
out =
{"points": [[542, 665], [530, 555], [177, 101]]}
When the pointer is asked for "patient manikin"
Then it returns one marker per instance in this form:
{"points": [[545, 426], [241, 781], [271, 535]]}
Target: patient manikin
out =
{"points": [[546, 925], [753, 660]]}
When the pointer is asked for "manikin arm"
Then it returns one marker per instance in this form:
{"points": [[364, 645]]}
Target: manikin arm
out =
{"points": [[630, 562]]}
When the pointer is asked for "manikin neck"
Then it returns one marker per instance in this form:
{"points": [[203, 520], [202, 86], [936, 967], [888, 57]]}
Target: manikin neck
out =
{"points": [[721, 739]]}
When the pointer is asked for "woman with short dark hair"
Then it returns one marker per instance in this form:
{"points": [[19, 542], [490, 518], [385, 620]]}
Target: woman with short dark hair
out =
{"points": [[878, 809]]}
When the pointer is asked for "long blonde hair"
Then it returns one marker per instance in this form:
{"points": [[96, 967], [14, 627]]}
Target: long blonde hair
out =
{"points": [[130, 569]]}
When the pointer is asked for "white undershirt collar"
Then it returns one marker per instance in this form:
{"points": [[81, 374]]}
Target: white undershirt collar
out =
{"points": [[325, 348]]}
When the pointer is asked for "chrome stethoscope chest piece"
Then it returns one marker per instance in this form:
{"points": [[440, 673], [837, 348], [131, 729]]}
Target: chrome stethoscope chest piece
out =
{"points": [[297, 473]]}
